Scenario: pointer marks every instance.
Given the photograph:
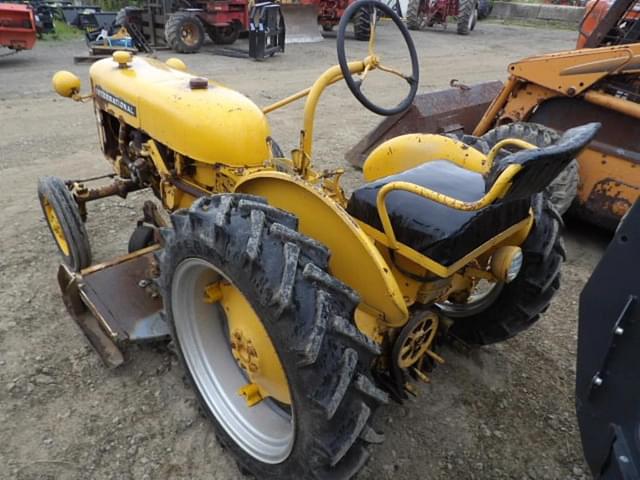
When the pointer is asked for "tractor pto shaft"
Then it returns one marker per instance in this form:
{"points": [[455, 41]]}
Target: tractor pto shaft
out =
{"points": [[117, 187]]}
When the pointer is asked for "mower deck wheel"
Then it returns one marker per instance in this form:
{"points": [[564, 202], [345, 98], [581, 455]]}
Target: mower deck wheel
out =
{"points": [[65, 222]]}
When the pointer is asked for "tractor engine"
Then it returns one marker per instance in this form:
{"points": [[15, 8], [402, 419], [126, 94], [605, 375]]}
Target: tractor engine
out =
{"points": [[179, 134]]}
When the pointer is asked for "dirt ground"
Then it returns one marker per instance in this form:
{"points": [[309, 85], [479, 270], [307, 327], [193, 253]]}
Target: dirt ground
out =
{"points": [[504, 412]]}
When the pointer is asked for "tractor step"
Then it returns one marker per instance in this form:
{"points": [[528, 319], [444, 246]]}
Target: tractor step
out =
{"points": [[114, 303]]}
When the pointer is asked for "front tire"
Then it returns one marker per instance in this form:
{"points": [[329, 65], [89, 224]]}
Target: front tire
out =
{"points": [[65, 222], [307, 315], [517, 305]]}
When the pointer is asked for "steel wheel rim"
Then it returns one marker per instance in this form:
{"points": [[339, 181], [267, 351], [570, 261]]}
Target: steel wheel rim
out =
{"points": [[264, 431], [477, 302], [187, 35]]}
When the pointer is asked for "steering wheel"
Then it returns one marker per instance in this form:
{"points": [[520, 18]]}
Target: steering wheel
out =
{"points": [[372, 61]]}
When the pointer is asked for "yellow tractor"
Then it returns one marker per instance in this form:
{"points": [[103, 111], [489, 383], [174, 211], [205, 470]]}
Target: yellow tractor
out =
{"points": [[296, 311]]}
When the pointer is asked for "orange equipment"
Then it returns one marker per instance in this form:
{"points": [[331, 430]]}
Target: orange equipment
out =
{"points": [[17, 27]]}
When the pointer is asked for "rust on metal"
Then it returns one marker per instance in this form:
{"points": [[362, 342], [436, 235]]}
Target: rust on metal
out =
{"points": [[609, 167], [608, 201], [446, 111], [115, 303], [101, 343]]}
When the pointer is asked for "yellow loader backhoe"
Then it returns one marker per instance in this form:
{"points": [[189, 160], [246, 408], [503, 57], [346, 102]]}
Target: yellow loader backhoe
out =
{"points": [[296, 312], [552, 93]]}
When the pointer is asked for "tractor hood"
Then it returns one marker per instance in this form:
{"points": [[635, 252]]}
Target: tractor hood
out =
{"points": [[191, 115]]}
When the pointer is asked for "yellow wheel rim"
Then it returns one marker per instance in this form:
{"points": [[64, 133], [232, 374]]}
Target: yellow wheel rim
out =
{"points": [[232, 360], [251, 346], [56, 227], [418, 339]]}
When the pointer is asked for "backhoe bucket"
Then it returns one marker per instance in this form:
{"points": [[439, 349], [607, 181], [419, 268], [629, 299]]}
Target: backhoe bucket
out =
{"points": [[455, 110], [301, 22]]}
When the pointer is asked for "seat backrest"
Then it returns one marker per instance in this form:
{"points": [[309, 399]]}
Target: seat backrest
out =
{"points": [[540, 166]]}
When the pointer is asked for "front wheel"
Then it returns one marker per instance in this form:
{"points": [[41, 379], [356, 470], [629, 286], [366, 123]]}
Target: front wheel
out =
{"points": [[64, 220], [504, 310], [266, 336]]}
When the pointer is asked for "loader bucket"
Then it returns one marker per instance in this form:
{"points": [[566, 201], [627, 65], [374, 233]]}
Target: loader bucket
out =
{"points": [[454, 110], [301, 22], [607, 375]]}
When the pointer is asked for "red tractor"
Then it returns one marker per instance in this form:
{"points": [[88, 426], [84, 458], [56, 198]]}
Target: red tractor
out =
{"points": [[17, 27], [184, 24], [421, 13], [222, 20]]}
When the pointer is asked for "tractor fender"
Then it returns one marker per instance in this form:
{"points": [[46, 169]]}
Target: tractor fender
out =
{"points": [[408, 151], [354, 258]]}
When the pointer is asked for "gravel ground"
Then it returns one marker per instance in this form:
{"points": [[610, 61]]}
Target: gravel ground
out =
{"points": [[503, 412]]}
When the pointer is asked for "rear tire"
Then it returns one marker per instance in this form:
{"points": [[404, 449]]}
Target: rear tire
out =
{"points": [[362, 25], [519, 304], [184, 32], [307, 315], [563, 190], [415, 21], [467, 16], [224, 35], [65, 222]]}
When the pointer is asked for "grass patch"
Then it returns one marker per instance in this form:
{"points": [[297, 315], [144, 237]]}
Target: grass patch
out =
{"points": [[63, 32]]}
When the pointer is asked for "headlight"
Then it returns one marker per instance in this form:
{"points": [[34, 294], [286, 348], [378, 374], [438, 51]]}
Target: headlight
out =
{"points": [[506, 263]]}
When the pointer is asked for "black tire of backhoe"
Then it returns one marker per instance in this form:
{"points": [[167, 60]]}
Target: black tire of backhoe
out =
{"points": [[564, 188], [466, 10], [522, 301], [172, 32], [362, 25], [326, 359], [66, 209], [414, 20]]}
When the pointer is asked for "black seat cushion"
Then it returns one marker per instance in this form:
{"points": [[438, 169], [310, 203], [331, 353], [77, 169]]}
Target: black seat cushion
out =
{"points": [[436, 231]]}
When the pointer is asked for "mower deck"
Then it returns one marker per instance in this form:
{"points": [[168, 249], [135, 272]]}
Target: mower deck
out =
{"points": [[114, 304]]}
